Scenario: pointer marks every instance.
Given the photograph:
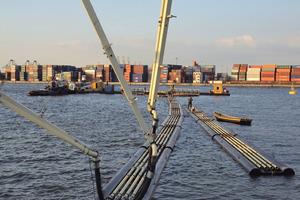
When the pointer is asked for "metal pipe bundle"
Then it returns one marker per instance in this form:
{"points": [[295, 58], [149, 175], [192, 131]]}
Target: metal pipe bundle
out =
{"points": [[253, 159], [128, 181]]}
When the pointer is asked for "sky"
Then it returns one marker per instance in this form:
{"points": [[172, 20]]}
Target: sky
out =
{"points": [[214, 32]]}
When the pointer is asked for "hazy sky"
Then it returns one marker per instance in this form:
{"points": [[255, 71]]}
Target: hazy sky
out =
{"points": [[220, 32]]}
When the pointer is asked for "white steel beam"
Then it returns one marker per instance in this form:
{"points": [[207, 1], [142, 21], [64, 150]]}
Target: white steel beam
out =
{"points": [[113, 60], [159, 52], [39, 120]]}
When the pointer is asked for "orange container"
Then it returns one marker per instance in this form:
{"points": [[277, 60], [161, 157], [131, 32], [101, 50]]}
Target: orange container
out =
{"points": [[283, 70], [268, 66]]}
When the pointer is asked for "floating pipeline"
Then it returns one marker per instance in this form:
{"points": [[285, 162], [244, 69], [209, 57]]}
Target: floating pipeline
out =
{"points": [[128, 181], [252, 158]]}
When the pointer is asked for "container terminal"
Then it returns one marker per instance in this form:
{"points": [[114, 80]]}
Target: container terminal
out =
{"points": [[242, 74]]}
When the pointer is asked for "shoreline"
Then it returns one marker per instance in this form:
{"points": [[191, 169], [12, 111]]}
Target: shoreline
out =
{"points": [[227, 84]]}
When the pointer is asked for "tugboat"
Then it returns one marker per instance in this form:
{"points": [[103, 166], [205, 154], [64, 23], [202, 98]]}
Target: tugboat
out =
{"points": [[218, 90], [55, 88]]}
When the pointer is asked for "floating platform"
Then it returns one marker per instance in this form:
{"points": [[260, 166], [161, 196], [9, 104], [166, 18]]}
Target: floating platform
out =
{"points": [[252, 158], [127, 182], [177, 93], [47, 92]]}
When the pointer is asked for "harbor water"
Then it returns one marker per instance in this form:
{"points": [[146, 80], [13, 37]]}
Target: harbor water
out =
{"points": [[35, 164]]}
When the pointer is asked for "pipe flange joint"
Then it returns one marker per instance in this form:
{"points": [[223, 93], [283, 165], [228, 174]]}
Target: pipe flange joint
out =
{"points": [[150, 174]]}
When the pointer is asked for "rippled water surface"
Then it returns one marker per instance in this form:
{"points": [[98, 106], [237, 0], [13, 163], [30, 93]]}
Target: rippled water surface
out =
{"points": [[34, 164]]}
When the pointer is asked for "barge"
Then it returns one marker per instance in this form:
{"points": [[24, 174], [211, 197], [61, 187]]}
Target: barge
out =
{"points": [[64, 88]]}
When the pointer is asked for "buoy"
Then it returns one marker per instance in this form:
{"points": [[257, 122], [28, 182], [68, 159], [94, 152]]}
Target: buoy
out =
{"points": [[293, 91]]}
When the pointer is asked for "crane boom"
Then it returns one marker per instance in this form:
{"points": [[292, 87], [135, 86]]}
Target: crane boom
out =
{"points": [[113, 60], [39, 120], [158, 59]]}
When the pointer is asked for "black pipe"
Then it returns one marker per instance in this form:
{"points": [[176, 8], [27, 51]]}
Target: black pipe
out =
{"points": [[148, 178], [98, 180]]}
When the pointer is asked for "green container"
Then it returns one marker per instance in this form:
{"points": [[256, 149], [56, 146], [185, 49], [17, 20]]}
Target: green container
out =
{"points": [[234, 73], [268, 69], [283, 66], [242, 73]]}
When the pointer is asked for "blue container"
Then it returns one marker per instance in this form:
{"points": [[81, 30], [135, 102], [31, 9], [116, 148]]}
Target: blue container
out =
{"points": [[295, 66], [295, 76]]}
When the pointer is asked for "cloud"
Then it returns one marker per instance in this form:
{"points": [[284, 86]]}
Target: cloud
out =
{"points": [[229, 42], [293, 40], [244, 40]]}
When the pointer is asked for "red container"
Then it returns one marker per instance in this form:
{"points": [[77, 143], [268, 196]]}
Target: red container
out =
{"points": [[255, 66], [267, 79], [283, 74], [295, 72]]}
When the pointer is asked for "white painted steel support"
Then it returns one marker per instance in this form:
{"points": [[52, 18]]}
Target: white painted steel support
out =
{"points": [[113, 60], [159, 52], [163, 24], [39, 120]]}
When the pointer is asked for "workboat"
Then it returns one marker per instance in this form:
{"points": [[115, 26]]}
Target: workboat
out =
{"points": [[226, 118], [56, 88]]}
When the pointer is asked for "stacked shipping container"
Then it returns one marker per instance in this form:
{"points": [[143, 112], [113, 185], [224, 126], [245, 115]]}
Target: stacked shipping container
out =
{"points": [[127, 73], [283, 73], [295, 73], [175, 76], [208, 72], [15, 70], [235, 72], [188, 74], [197, 77], [23, 74], [139, 73], [268, 73], [164, 75], [239, 72], [107, 73], [243, 72], [253, 73]]}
